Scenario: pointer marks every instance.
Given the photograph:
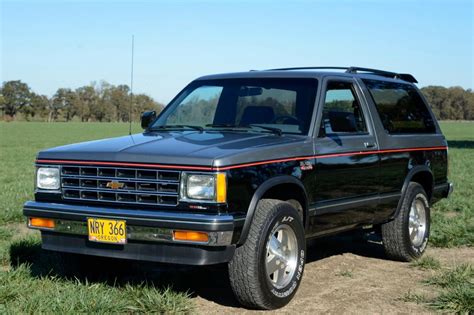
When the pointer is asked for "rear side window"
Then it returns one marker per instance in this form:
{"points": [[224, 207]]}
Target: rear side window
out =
{"points": [[400, 107]]}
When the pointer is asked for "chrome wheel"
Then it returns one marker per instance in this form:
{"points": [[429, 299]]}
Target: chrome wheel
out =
{"points": [[282, 255], [417, 222]]}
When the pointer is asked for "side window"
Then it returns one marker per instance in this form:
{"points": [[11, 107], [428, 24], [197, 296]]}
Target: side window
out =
{"points": [[342, 113], [400, 108]]}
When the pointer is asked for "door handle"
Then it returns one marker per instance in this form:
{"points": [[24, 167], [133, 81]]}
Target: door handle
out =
{"points": [[369, 145]]}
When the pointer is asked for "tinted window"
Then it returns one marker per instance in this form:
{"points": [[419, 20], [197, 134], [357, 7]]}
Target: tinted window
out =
{"points": [[400, 107], [342, 113], [286, 104], [280, 104]]}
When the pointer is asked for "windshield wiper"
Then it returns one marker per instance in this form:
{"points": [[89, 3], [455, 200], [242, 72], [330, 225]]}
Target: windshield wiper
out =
{"points": [[225, 126], [176, 127], [274, 130]]}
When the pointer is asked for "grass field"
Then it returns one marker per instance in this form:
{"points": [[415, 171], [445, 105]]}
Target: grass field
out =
{"points": [[23, 287]]}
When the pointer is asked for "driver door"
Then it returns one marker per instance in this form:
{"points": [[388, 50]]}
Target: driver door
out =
{"points": [[347, 161]]}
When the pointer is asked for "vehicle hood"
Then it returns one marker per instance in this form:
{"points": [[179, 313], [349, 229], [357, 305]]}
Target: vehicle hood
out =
{"points": [[208, 148]]}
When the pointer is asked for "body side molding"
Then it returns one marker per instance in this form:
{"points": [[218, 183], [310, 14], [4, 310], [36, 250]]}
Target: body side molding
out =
{"points": [[341, 205]]}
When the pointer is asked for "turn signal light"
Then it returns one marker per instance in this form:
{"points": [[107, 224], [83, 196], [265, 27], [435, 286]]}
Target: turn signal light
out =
{"points": [[221, 188], [42, 223], [191, 236]]}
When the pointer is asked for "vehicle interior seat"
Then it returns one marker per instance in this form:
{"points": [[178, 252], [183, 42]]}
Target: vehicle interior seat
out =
{"points": [[257, 115]]}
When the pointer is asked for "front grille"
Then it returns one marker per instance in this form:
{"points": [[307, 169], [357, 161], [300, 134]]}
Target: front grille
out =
{"points": [[120, 185]]}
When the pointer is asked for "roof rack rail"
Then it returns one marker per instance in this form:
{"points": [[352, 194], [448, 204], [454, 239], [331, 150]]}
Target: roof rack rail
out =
{"points": [[308, 68], [402, 76]]}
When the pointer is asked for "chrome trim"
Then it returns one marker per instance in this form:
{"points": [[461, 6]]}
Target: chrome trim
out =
{"points": [[139, 233], [182, 187], [54, 191], [45, 209], [160, 179]]}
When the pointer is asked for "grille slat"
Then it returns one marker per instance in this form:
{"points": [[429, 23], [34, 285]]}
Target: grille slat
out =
{"points": [[120, 185]]}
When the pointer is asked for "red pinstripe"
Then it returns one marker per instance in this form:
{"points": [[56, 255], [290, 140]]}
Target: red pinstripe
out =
{"points": [[223, 168], [201, 168]]}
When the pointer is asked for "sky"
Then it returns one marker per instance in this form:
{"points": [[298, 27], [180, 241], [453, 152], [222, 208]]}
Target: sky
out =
{"points": [[50, 45]]}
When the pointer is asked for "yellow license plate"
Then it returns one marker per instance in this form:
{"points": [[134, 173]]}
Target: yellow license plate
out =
{"points": [[107, 231]]}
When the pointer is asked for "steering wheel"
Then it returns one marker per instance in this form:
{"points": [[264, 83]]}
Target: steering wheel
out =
{"points": [[285, 120]]}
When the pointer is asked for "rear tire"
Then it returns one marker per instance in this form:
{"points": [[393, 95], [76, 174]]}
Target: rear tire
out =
{"points": [[266, 271], [405, 237]]}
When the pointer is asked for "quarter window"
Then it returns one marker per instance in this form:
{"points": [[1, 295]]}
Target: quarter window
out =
{"points": [[400, 107], [342, 113]]}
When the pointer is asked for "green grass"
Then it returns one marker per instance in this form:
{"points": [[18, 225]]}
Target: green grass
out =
{"points": [[413, 297], [457, 290], [25, 280], [460, 275], [453, 218], [21, 293], [426, 263]]}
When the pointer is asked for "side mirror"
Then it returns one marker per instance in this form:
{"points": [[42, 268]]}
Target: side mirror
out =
{"points": [[147, 118]]}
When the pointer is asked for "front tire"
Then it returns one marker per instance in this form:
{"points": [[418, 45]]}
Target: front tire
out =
{"points": [[266, 271], [405, 238]]}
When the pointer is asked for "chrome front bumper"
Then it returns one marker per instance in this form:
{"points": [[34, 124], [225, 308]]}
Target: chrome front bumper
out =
{"points": [[142, 225], [139, 233]]}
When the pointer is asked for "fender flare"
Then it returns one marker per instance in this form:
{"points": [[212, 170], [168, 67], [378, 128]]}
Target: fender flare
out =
{"points": [[415, 170], [258, 194]]}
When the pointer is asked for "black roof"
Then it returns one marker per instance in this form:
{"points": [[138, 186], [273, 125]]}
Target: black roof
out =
{"points": [[316, 72]]}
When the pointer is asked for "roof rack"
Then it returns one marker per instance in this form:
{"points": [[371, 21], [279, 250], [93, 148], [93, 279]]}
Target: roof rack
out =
{"points": [[402, 76]]}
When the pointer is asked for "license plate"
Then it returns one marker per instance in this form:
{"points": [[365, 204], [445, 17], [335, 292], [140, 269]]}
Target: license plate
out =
{"points": [[107, 231]]}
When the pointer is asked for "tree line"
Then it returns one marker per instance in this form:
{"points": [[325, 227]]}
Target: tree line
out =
{"points": [[454, 103], [107, 102], [101, 102]]}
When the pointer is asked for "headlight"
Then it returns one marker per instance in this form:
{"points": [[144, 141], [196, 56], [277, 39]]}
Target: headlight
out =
{"points": [[204, 187], [47, 178]]}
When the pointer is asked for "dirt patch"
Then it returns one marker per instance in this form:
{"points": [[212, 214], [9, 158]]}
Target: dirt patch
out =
{"points": [[343, 276]]}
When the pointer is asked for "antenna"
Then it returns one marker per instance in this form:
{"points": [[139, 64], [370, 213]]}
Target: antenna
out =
{"points": [[131, 91]]}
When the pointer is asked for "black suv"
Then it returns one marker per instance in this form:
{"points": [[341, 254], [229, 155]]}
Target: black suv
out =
{"points": [[243, 168]]}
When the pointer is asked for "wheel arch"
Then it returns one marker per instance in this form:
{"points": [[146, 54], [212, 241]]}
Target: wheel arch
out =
{"points": [[422, 175], [271, 189]]}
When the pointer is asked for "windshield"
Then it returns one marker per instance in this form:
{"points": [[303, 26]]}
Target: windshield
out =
{"points": [[264, 105]]}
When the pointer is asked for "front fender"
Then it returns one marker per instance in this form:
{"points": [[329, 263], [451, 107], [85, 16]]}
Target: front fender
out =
{"points": [[260, 192]]}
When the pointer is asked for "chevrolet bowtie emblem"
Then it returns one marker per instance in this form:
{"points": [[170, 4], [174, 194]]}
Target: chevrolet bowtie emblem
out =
{"points": [[115, 185]]}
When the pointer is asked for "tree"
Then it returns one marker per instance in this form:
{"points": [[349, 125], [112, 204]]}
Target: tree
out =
{"points": [[450, 103], [39, 106], [110, 101], [64, 103], [120, 99], [142, 103], [87, 101], [16, 96]]}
